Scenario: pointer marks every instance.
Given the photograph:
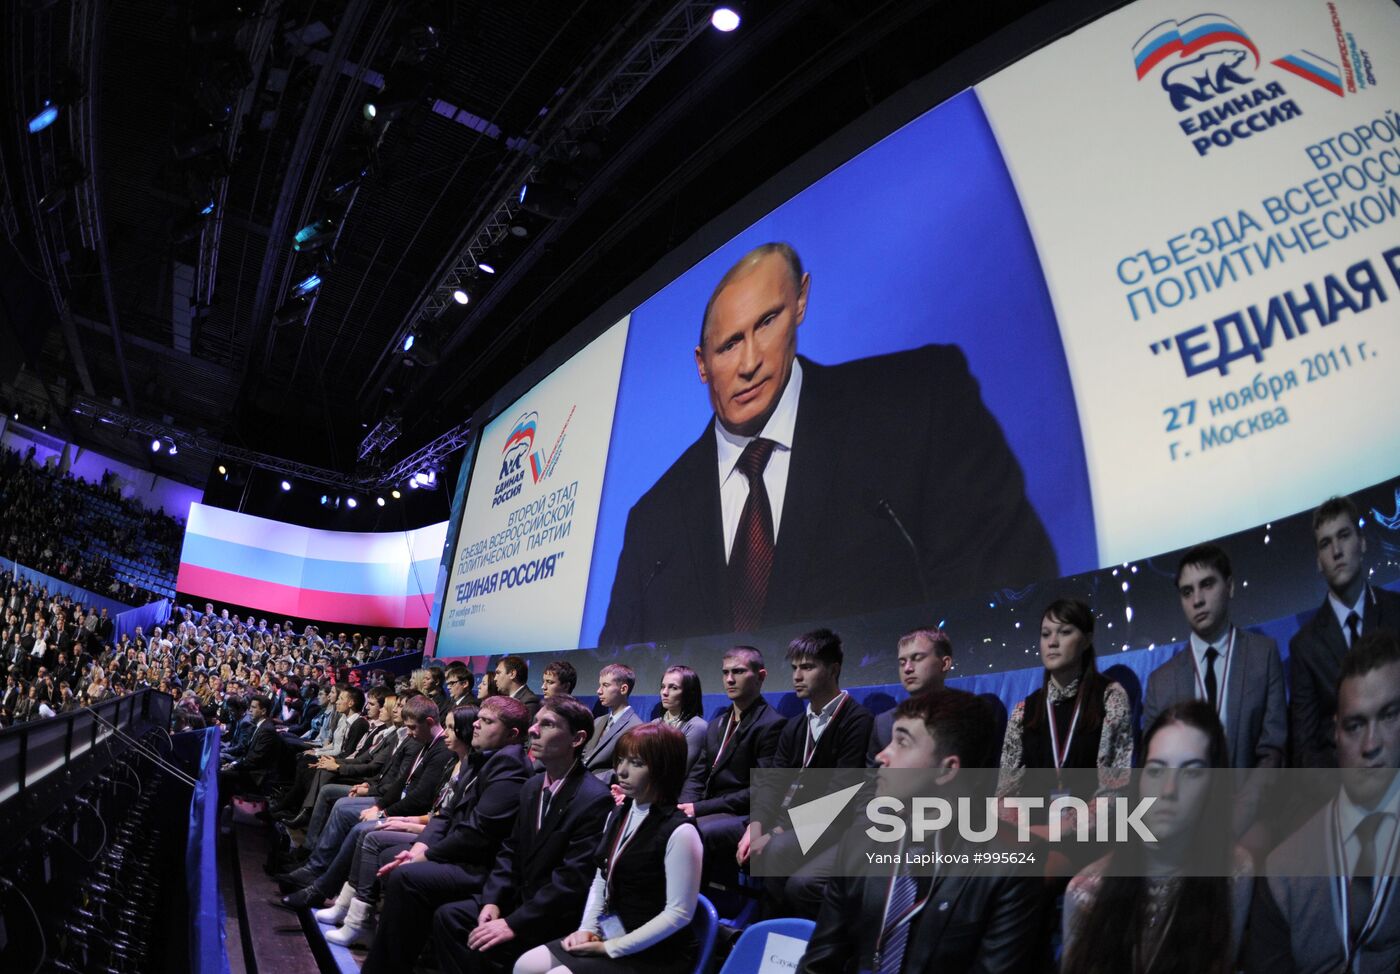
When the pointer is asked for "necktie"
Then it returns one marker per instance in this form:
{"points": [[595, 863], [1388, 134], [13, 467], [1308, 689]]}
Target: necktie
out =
{"points": [[894, 937], [1353, 629], [1362, 882], [546, 795], [1212, 688], [751, 559]]}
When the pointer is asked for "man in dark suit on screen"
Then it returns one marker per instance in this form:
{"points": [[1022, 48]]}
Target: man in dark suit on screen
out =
{"points": [[820, 491]]}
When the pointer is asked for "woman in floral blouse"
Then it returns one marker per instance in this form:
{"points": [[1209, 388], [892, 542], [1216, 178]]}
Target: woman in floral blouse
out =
{"points": [[1078, 719]]}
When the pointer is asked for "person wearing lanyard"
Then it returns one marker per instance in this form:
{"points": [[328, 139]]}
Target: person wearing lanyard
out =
{"points": [[740, 738], [1078, 719], [924, 658], [1329, 902], [650, 854], [539, 884], [1178, 903], [1237, 672], [953, 921], [832, 732]]}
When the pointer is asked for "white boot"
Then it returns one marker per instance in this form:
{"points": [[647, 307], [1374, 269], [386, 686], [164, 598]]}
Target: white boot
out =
{"points": [[358, 927], [334, 915]]}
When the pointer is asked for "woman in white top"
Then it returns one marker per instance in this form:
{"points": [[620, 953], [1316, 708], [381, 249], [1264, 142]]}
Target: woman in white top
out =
{"points": [[651, 853], [680, 707]]}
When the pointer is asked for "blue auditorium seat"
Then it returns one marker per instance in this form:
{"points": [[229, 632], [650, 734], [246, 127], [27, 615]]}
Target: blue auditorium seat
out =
{"points": [[706, 928], [752, 946]]}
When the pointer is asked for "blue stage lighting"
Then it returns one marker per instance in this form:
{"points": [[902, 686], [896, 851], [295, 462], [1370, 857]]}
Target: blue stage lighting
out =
{"points": [[286, 485], [155, 446], [408, 341], [43, 118], [725, 19], [486, 268], [306, 286]]}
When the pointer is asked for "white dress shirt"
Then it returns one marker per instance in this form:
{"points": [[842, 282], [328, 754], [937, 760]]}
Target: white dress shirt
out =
{"points": [[819, 720], [1225, 644], [1350, 815], [1342, 611], [734, 486]]}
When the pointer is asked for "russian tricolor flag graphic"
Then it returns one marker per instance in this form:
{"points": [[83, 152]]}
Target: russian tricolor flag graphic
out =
{"points": [[1186, 38], [1314, 68]]}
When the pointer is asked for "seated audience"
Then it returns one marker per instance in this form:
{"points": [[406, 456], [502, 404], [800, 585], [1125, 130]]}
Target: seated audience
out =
{"points": [[1179, 903], [650, 856], [513, 679]]}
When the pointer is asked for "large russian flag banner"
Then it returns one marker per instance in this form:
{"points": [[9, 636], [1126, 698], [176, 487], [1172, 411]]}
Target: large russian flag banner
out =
{"points": [[382, 579]]}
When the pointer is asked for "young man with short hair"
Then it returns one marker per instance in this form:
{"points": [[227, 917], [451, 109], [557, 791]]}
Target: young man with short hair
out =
{"points": [[924, 657], [832, 732], [984, 921], [558, 677], [615, 683], [1352, 608], [513, 679]]}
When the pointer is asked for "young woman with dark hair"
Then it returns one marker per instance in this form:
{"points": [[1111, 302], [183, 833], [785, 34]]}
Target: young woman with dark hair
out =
{"points": [[651, 853], [1078, 719], [680, 707], [1176, 906]]}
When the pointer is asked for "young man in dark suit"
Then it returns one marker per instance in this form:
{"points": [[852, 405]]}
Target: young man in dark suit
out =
{"points": [[253, 770], [539, 883], [770, 516], [738, 739], [924, 656], [1351, 609], [615, 683], [1332, 875], [513, 679], [1237, 672], [980, 922], [455, 853], [832, 732]]}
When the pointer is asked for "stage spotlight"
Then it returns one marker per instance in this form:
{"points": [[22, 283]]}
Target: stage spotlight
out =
{"points": [[43, 118], [69, 176], [155, 446], [286, 485], [223, 470], [307, 285], [317, 233], [725, 18], [174, 449], [546, 199], [379, 501], [293, 312], [325, 499], [351, 502], [393, 493], [460, 296], [486, 268]]}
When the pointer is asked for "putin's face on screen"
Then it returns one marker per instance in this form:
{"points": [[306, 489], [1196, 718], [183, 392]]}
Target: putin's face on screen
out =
{"points": [[750, 341]]}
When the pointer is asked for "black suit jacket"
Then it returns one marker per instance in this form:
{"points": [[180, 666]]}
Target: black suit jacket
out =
{"points": [[261, 757], [723, 785], [541, 877], [422, 783], [389, 782], [986, 922], [842, 745], [879, 442], [470, 835], [1314, 665]]}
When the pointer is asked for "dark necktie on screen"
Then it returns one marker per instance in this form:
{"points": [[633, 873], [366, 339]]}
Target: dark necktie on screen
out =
{"points": [[1362, 882], [1353, 629], [1212, 687], [751, 560]]}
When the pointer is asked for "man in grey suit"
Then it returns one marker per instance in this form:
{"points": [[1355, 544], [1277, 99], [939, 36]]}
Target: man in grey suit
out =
{"points": [[924, 656], [1239, 673], [1352, 609], [615, 683], [1309, 893]]}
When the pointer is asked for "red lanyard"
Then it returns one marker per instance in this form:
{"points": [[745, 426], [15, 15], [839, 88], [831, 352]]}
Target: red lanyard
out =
{"points": [[421, 755], [1061, 754], [619, 844], [729, 730]]}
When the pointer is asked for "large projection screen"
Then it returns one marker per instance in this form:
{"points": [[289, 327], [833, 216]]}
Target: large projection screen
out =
{"points": [[1134, 290]]}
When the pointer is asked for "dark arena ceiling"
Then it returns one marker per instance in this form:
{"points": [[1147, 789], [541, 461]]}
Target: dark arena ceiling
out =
{"points": [[151, 265]]}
